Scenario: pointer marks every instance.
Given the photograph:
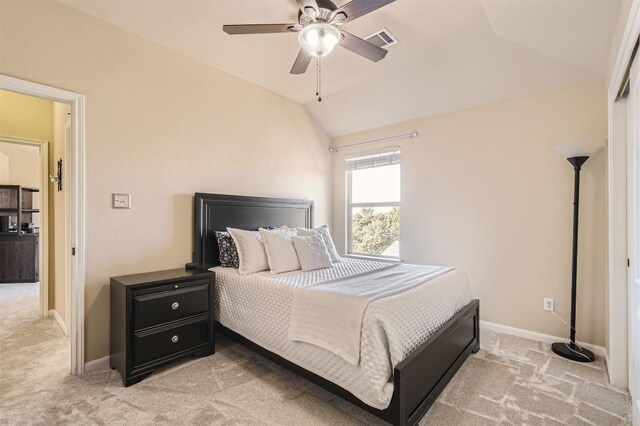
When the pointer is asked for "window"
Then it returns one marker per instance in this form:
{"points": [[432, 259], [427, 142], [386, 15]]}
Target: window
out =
{"points": [[373, 204]]}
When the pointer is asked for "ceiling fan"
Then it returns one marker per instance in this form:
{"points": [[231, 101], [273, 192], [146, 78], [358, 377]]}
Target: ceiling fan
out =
{"points": [[318, 32]]}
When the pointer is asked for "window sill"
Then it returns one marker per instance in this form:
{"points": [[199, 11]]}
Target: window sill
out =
{"points": [[373, 257]]}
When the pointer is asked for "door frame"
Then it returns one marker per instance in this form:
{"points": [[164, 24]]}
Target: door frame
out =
{"points": [[617, 255], [76, 231], [43, 251], [68, 241], [633, 187]]}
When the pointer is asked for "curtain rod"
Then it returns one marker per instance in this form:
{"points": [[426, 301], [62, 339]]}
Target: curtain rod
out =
{"points": [[391, 138]]}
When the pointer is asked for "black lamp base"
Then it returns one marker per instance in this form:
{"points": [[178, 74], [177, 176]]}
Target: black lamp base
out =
{"points": [[574, 354]]}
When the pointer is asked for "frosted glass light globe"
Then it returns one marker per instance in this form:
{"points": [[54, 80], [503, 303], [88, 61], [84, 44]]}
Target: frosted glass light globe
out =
{"points": [[319, 39]]}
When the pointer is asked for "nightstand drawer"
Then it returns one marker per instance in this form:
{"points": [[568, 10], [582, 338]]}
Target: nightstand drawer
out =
{"points": [[166, 306], [154, 344]]}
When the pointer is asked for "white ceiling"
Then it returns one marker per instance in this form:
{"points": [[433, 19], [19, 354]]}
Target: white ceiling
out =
{"points": [[452, 54]]}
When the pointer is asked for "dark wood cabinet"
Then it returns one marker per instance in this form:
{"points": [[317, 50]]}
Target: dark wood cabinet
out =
{"points": [[19, 258], [159, 317], [19, 250]]}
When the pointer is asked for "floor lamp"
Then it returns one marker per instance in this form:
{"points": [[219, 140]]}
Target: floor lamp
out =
{"points": [[577, 153]]}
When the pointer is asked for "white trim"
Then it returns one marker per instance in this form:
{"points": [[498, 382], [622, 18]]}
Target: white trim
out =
{"points": [[617, 244], [375, 258], [539, 337], [68, 208], [43, 158], [97, 364], [617, 321], [53, 313], [633, 236], [77, 230]]}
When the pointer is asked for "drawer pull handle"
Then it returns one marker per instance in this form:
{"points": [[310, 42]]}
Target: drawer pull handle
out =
{"points": [[175, 305], [175, 339]]}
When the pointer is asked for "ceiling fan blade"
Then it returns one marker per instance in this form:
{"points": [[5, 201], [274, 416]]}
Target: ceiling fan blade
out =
{"points": [[257, 28], [302, 63], [362, 47], [356, 8]]}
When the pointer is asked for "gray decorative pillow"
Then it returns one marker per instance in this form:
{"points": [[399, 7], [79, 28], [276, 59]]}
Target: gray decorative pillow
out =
{"points": [[227, 250]]}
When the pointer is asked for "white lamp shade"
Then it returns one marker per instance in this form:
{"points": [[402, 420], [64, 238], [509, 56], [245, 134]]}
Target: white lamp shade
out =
{"points": [[581, 148], [319, 39]]}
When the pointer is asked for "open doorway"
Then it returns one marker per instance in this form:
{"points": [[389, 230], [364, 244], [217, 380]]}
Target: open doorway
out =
{"points": [[35, 286], [76, 188]]}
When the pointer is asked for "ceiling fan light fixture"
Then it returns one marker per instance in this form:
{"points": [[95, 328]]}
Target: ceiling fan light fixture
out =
{"points": [[319, 39]]}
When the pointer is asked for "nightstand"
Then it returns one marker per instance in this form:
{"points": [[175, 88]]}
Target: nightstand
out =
{"points": [[159, 317]]}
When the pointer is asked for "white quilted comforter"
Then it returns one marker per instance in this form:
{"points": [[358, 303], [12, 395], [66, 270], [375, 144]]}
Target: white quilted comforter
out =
{"points": [[258, 306]]}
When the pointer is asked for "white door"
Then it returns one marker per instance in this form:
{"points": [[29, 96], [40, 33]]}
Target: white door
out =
{"points": [[633, 223]]}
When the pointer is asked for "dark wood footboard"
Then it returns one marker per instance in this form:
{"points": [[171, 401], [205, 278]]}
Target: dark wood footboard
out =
{"points": [[418, 379], [423, 375]]}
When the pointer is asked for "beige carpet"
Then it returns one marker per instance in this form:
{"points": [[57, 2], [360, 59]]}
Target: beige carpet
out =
{"points": [[513, 381]]}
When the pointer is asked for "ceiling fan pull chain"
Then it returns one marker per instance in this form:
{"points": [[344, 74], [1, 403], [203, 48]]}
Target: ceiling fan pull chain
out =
{"points": [[319, 78]]}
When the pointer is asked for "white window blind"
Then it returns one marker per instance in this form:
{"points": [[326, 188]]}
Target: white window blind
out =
{"points": [[370, 160]]}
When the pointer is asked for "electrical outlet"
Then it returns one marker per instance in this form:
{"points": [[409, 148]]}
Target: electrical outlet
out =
{"points": [[548, 304]]}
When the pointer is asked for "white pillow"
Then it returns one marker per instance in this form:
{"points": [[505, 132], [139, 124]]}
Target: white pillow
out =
{"points": [[323, 231], [281, 255], [312, 252], [251, 252]]}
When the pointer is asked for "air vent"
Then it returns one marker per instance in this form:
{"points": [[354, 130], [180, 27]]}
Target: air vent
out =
{"points": [[382, 38]]}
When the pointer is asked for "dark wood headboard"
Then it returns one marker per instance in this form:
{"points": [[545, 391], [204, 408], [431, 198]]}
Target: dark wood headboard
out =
{"points": [[214, 212]]}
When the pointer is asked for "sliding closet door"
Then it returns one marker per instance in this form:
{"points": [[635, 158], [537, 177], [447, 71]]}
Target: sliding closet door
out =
{"points": [[633, 218]]}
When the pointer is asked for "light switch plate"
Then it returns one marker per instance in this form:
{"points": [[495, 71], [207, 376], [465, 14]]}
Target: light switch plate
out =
{"points": [[121, 201]]}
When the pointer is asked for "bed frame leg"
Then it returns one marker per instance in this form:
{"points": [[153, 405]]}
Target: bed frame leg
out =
{"points": [[476, 326]]}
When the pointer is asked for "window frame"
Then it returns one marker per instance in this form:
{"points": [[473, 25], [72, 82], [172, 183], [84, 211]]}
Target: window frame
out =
{"points": [[350, 206]]}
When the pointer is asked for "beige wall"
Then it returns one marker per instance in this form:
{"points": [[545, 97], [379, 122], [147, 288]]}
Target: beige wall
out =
{"points": [[159, 126], [4, 168], [25, 116], [24, 164], [23, 168], [484, 190]]}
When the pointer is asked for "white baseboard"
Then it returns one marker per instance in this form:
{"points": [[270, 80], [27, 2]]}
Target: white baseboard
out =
{"points": [[53, 313], [540, 337], [97, 364]]}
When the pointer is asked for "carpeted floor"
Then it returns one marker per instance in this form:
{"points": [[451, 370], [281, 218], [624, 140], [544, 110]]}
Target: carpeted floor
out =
{"points": [[512, 381]]}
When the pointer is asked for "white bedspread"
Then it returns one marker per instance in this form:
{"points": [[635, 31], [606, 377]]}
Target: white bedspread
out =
{"points": [[329, 314], [258, 306]]}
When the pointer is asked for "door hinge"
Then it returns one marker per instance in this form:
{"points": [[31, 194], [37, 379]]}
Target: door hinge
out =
{"points": [[628, 263], [73, 251]]}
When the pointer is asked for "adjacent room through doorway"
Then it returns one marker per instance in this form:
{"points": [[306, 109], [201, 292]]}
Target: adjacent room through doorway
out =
{"points": [[34, 222]]}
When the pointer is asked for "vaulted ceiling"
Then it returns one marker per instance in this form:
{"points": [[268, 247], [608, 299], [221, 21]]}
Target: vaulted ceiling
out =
{"points": [[452, 54]]}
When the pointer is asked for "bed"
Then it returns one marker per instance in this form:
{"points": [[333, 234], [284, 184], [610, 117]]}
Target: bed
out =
{"points": [[399, 374]]}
